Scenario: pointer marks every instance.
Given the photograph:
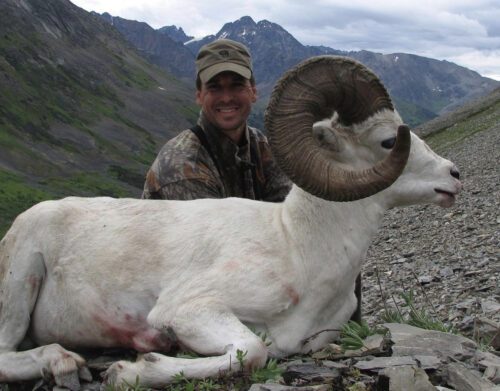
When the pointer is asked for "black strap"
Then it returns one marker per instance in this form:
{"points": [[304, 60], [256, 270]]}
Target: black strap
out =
{"points": [[198, 131], [256, 184]]}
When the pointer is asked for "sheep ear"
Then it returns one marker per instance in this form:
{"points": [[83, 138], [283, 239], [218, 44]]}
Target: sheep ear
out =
{"points": [[327, 138]]}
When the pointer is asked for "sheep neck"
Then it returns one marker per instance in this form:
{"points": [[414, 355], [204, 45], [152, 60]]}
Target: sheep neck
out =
{"points": [[319, 227]]}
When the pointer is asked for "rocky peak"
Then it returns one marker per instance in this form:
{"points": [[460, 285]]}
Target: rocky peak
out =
{"points": [[157, 46], [243, 30], [175, 33]]}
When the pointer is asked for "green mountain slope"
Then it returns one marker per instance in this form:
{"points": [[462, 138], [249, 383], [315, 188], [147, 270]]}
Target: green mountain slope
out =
{"points": [[451, 128], [81, 112]]}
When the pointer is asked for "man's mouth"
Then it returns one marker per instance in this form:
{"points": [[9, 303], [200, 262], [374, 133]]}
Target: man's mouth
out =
{"points": [[227, 109]]}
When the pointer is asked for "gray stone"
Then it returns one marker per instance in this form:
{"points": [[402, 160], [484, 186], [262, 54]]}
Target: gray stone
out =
{"points": [[446, 272], [428, 362], [405, 378], [310, 372], [94, 386], [464, 379], [492, 373], [486, 329], [374, 344], [425, 279], [384, 362], [334, 364], [413, 341], [279, 387], [490, 306]]}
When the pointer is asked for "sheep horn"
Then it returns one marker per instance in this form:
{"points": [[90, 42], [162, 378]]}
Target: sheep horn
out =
{"points": [[312, 91]]}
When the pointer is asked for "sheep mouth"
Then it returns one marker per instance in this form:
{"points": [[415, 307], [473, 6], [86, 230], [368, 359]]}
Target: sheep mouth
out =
{"points": [[447, 193]]}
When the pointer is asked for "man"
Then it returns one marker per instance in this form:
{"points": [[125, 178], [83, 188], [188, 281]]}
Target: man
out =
{"points": [[222, 156]]}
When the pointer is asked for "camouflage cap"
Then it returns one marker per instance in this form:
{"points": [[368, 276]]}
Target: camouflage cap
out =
{"points": [[223, 55]]}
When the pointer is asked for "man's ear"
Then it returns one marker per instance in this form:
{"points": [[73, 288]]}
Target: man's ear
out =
{"points": [[254, 94], [198, 97]]}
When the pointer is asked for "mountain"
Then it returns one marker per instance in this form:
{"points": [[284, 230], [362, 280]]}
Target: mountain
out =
{"points": [[177, 34], [81, 111], [422, 88], [156, 45], [430, 86], [273, 49]]}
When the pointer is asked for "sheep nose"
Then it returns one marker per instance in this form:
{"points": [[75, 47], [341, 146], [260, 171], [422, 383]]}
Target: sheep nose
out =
{"points": [[455, 173]]}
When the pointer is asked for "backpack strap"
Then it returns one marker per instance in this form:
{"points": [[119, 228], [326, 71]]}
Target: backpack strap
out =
{"points": [[198, 131], [256, 184]]}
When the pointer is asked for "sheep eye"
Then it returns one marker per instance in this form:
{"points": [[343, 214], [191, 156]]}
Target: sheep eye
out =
{"points": [[389, 143]]}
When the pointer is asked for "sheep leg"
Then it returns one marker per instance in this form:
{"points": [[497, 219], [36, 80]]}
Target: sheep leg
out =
{"points": [[204, 327], [21, 276]]}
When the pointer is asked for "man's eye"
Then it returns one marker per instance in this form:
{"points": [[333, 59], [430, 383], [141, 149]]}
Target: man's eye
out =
{"points": [[213, 89], [239, 87], [389, 143]]}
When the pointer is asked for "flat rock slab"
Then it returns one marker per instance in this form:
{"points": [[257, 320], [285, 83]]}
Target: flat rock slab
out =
{"points": [[385, 362], [404, 378], [279, 387], [311, 373], [413, 341], [463, 379]]}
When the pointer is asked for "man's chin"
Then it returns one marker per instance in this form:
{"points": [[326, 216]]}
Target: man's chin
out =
{"points": [[230, 127]]}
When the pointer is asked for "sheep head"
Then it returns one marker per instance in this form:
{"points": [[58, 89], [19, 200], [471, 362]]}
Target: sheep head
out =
{"points": [[313, 91]]}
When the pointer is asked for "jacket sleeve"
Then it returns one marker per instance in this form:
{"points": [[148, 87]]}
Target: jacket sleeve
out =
{"points": [[185, 188]]}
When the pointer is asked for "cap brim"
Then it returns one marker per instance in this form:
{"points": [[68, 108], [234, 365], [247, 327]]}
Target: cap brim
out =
{"points": [[208, 73]]}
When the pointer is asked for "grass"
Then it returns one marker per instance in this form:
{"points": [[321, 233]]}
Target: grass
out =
{"points": [[353, 334], [413, 316], [87, 184], [15, 197], [478, 122]]}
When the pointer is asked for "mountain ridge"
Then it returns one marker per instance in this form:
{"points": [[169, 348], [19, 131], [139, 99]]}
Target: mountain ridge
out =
{"points": [[421, 87]]}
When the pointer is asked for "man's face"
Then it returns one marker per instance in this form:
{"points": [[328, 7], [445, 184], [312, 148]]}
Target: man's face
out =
{"points": [[226, 100]]}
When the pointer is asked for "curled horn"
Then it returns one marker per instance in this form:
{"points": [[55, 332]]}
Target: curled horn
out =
{"points": [[312, 91]]}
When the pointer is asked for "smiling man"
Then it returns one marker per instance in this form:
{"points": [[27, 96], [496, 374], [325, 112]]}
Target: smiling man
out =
{"points": [[221, 156]]}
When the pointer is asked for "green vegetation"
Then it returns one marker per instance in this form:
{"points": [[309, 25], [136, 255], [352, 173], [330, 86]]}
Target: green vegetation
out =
{"points": [[15, 197], [353, 334], [271, 372], [191, 113], [240, 356], [181, 383], [410, 314], [447, 137], [86, 184], [412, 114]]}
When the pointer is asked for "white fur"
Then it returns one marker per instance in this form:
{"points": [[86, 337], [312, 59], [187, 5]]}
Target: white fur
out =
{"points": [[102, 272]]}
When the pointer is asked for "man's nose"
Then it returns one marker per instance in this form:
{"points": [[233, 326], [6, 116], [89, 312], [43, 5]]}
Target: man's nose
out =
{"points": [[226, 93]]}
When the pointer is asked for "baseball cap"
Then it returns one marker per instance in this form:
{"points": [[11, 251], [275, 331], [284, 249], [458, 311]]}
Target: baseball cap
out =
{"points": [[223, 55]]}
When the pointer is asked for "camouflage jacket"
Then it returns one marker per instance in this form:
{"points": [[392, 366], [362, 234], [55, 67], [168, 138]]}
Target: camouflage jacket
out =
{"points": [[184, 169]]}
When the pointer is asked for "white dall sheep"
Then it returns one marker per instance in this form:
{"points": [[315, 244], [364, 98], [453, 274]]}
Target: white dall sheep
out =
{"points": [[147, 274]]}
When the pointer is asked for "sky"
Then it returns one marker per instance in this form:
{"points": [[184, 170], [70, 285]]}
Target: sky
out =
{"points": [[466, 32]]}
